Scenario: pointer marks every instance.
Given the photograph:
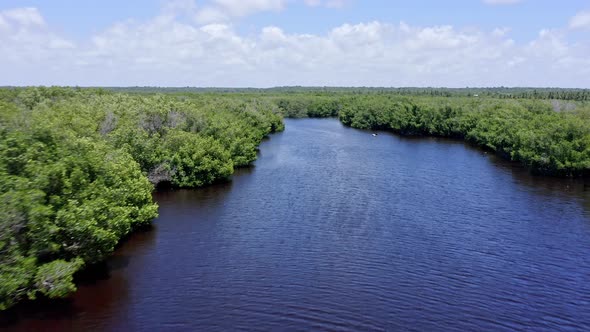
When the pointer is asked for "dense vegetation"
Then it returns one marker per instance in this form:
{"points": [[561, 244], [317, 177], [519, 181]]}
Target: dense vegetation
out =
{"points": [[550, 137], [76, 167], [530, 132], [498, 92]]}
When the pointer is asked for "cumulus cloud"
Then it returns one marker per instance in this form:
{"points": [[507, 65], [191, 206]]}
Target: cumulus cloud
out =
{"points": [[24, 37], [22, 16], [581, 20], [166, 51], [501, 2]]}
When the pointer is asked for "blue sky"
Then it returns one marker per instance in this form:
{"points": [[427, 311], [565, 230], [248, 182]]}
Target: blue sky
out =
{"points": [[295, 42], [79, 19]]}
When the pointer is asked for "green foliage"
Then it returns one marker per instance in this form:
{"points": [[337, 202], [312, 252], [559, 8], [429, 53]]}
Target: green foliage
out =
{"points": [[55, 279], [299, 91], [309, 106], [197, 161], [78, 166], [531, 132]]}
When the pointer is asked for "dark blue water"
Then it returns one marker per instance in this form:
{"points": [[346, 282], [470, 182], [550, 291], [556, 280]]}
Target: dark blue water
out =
{"points": [[335, 229]]}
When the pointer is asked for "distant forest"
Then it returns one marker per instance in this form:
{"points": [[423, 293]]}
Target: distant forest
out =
{"points": [[496, 92], [500, 92]]}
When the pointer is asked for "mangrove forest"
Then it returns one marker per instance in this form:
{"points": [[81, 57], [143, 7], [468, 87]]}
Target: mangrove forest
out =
{"points": [[78, 166]]}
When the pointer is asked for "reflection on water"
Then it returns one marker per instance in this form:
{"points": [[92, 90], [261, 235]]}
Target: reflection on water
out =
{"points": [[335, 229]]}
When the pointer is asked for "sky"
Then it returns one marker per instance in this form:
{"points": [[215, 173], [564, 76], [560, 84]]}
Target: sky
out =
{"points": [[266, 43]]}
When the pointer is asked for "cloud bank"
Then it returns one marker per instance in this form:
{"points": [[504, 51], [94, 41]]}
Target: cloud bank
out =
{"points": [[168, 51]]}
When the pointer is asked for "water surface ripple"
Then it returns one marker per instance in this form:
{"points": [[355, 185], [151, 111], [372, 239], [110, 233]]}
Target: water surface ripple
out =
{"points": [[335, 229]]}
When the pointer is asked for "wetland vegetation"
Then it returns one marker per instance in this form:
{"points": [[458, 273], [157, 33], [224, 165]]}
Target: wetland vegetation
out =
{"points": [[78, 165]]}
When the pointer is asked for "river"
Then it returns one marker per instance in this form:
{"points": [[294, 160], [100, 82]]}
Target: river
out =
{"points": [[334, 229]]}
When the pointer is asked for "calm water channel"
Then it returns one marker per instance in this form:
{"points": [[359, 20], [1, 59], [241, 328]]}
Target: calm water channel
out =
{"points": [[334, 229]]}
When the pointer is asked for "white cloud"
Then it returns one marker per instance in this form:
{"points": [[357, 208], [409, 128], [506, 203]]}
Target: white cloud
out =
{"points": [[502, 2], [326, 3], [500, 32], [581, 20], [246, 7], [3, 23], [25, 38], [23, 16], [216, 11], [223, 10], [166, 51], [211, 14]]}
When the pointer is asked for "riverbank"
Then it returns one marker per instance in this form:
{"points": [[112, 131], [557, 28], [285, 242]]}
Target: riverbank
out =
{"points": [[336, 229], [78, 166], [539, 134]]}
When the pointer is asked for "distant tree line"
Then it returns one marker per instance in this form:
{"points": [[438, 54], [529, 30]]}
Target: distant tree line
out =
{"points": [[493, 92]]}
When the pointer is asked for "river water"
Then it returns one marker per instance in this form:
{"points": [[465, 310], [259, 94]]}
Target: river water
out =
{"points": [[334, 229]]}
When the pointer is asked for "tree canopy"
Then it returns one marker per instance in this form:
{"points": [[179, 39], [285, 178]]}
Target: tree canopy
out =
{"points": [[78, 166]]}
